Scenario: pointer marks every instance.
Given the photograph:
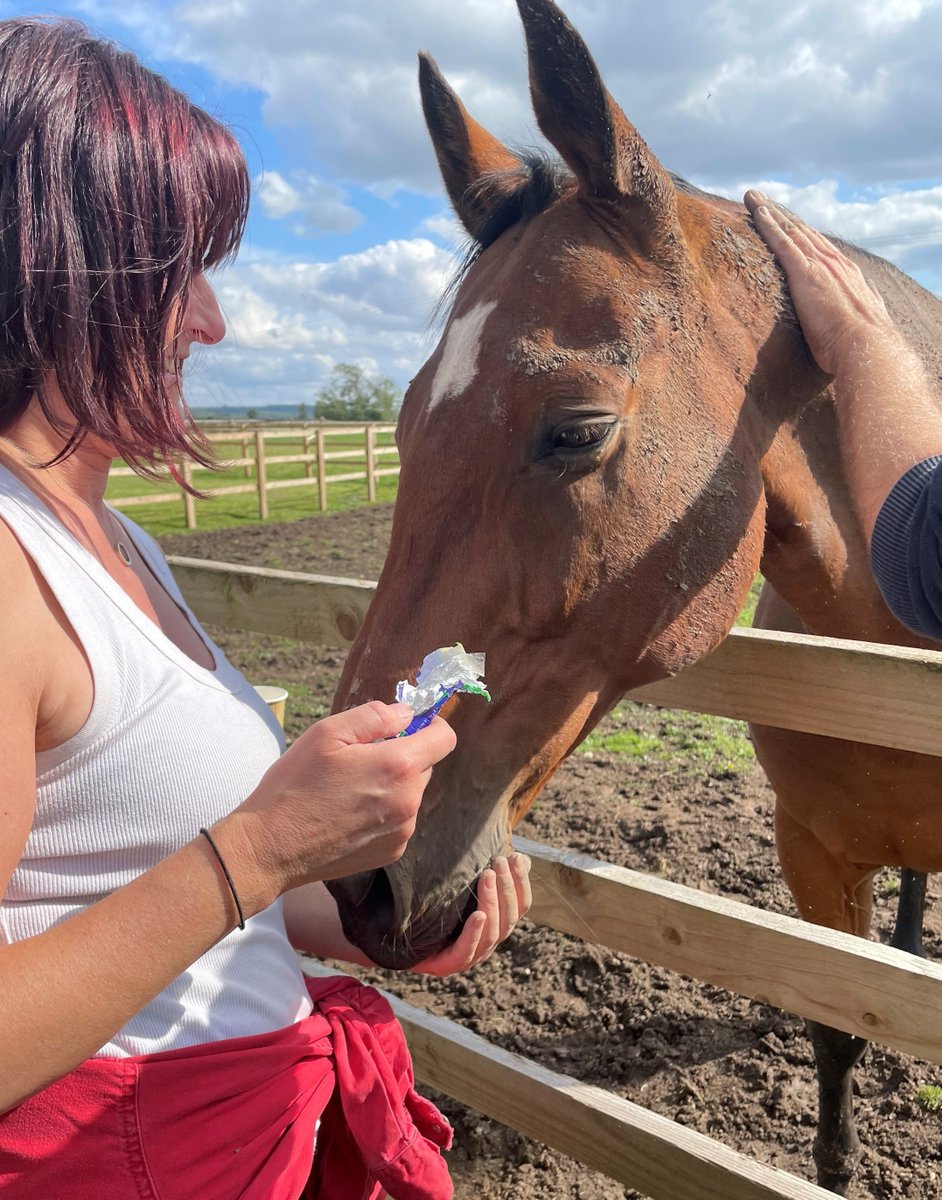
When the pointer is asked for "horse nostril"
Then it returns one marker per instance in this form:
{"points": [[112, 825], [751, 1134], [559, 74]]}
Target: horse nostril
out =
{"points": [[379, 902]]}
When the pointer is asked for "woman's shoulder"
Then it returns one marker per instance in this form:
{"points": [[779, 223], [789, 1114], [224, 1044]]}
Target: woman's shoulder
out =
{"points": [[16, 568], [24, 609], [32, 617], [39, 651]]}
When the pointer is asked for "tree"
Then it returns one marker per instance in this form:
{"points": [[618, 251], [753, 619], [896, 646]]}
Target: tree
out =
{"points": [[351, 395], [302, 411]]}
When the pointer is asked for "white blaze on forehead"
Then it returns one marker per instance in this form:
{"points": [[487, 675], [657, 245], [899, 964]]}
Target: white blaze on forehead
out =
{"points": [[459, 361]]}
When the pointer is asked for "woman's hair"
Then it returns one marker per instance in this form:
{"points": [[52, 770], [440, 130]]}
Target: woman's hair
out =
{"points": [[115, 191]]}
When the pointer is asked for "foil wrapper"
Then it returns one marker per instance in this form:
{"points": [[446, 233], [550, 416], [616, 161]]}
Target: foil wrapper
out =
{"points": [[443, 674]]}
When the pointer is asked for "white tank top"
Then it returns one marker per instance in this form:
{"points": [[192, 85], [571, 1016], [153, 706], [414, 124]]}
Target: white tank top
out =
{"points": [[168, 746]]}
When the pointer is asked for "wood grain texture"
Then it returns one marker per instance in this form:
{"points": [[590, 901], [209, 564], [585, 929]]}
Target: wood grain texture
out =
{"points": [[310, 608], [879, 993]]}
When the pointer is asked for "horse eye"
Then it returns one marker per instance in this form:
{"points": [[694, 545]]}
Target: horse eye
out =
{"points": [[584, 436]]}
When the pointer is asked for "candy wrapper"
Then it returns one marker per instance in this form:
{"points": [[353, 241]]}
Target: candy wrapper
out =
{"points": [[443, 673]]}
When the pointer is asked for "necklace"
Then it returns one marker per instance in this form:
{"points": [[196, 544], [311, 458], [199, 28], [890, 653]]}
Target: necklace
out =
{"points": [[120, 547]]}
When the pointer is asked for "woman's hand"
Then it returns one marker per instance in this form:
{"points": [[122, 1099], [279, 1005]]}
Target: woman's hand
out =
{"points": [[343, 798], [504, 896], [841, 315], [889, 415]]}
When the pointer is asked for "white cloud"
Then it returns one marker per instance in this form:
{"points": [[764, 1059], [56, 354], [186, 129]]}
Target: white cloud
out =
{"points": [[904, 226], [447, 228], [729, 87], [883, 14], [290, 322], [319, 208], [277, 196]]}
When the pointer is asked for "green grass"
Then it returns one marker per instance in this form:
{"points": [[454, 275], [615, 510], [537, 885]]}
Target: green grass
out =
{"points": [[628, 742], [748, 610], [889, 886], [702, 741], [929, 1097], [714, 741], [306, 706], [286, 504]]}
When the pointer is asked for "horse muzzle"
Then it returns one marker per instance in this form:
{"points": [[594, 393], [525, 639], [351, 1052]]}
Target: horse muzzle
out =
{"points": [[376, 914]]}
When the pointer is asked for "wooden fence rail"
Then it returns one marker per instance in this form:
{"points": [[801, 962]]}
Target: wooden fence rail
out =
{"points": [[884, 695], [371, 453]]}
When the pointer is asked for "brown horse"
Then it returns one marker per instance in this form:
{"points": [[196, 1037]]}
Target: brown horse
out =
{"points": [[620, 426]]}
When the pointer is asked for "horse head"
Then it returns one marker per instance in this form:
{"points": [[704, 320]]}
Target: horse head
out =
{"points": [[580, 494]]}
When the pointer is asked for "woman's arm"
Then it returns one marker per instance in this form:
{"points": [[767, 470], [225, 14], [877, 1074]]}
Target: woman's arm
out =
{"points": [[313, 925], [66, 992]]}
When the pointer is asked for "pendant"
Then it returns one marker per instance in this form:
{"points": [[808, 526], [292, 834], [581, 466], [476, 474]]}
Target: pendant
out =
{"points": [[123, 553]]}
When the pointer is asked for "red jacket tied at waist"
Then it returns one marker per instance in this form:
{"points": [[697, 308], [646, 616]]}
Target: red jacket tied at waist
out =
{"points": [[235, 1120]]}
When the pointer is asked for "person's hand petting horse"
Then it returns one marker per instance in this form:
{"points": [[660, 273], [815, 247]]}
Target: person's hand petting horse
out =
{"points": [[888, 410]]}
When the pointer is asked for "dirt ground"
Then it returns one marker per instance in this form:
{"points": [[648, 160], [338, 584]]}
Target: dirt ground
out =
{"points": [[673, 794]]}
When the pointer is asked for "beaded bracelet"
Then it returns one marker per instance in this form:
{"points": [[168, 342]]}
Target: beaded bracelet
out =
{"points": [[225, 870]]}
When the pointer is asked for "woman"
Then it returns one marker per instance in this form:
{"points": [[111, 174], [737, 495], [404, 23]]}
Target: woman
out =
{"points": [[156, 840]]}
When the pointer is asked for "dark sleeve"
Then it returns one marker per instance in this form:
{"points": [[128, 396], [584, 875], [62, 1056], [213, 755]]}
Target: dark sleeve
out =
{"points": [[906, 549]]}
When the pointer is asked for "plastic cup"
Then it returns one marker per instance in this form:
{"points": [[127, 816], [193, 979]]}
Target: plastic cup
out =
{"points": [[275, 698]]}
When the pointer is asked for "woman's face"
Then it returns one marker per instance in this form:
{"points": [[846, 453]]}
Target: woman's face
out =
{"points": [[203, 323]]}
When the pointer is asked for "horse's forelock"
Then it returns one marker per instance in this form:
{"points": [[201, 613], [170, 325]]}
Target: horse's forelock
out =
{"points": [[515, 197], [512, 197]]}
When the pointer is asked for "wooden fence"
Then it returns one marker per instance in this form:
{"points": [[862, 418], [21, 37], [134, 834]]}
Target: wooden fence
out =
{"points": [[371, 453], [878, 694]]}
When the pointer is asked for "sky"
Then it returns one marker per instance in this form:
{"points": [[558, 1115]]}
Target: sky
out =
{"points": [[832, 106]]}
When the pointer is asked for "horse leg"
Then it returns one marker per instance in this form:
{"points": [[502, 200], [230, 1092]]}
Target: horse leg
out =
{"points": [[831, 892], [907, 933], [836, 1144]]}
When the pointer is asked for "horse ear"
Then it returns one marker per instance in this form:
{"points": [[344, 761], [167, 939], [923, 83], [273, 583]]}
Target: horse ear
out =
{"points": [[477, 168], [582, 121]]}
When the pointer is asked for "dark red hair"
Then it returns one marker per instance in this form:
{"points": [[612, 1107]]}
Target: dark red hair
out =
{"points": [[115, 190]]}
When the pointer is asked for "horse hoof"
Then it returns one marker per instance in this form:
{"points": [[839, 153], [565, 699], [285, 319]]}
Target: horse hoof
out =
{"points": [[836, 1183]]}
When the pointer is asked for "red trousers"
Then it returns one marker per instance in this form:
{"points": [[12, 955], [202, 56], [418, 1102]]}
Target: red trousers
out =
{"points": [[235, 1120]]}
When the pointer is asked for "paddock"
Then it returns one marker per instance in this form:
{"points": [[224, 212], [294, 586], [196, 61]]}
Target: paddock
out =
{"points": [[263, 455], [873, 693]]}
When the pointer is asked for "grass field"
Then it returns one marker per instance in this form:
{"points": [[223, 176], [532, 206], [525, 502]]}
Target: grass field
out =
{"points": [[287, 504]]}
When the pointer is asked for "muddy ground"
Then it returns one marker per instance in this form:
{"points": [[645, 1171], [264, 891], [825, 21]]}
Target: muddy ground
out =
{"points": [[673, 794]]}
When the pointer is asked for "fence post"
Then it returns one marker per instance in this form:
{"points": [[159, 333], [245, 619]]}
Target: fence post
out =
{"points": [[321, 472], [244, 447], [370, 463], [189, 504], [306, 444], [260, 471]]}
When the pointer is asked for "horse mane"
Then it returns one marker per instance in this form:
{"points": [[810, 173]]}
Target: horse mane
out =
{"points": [[509, 197], [514, 197], [518, 194]]}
